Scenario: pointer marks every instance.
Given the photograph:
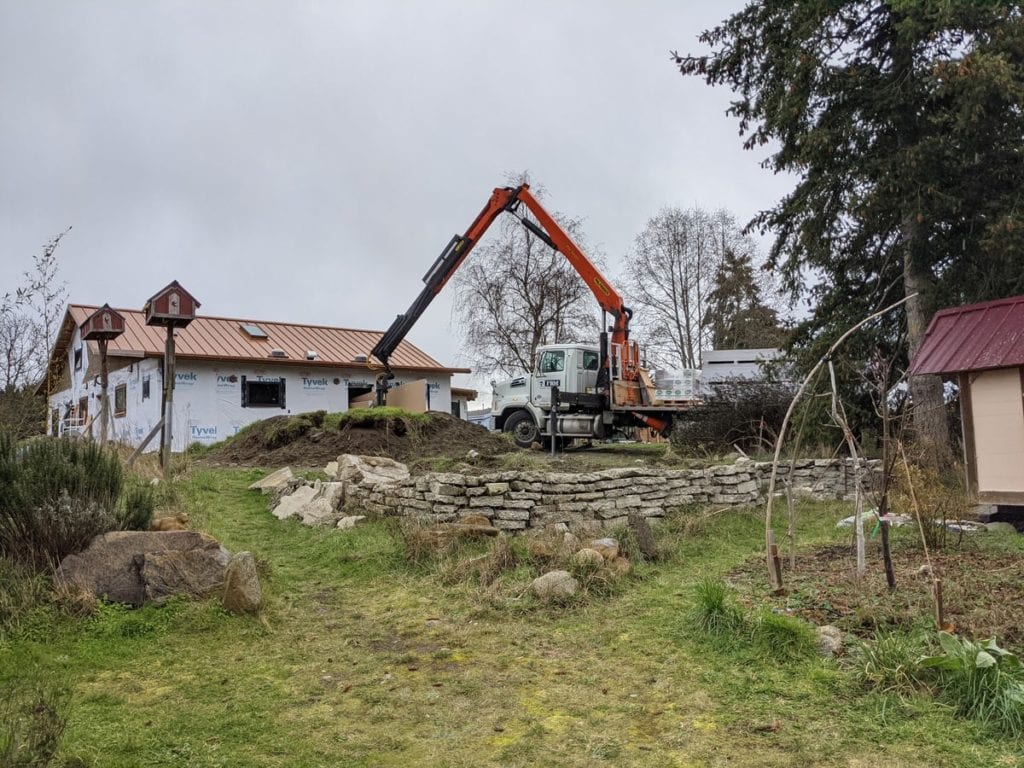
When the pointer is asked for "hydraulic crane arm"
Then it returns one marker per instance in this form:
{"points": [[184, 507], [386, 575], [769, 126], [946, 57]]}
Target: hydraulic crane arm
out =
{"points": [[505, 199]]}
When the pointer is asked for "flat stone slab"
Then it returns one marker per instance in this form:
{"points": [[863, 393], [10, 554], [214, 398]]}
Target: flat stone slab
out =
{"points": [[274, 481]]}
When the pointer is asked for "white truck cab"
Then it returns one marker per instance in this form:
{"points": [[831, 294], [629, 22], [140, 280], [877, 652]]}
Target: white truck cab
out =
{"points": [[522, 406]]}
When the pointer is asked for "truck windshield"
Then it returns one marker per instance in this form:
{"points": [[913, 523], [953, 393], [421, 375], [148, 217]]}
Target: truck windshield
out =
{"points": [[552, 361]]}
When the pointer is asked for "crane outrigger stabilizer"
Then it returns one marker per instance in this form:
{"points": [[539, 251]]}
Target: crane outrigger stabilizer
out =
{"points": [[509, 200]]}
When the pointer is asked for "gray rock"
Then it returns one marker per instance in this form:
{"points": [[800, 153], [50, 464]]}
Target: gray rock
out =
{"points": [[242, 591], [644, 536], [331, 470], [194, 572], [368, 471], [588, 557], [290, 505], [114, 564], [607, 547], [351, 521], [273, 481], [963, 526], [830, 641], [554, 586]]}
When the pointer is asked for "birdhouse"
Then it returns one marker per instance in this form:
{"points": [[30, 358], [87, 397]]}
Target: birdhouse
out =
{"points": [[171, 306], [105, 323]]}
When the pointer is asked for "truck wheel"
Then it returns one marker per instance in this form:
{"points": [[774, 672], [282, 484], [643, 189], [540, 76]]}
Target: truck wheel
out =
{"points": [[521, 426]]}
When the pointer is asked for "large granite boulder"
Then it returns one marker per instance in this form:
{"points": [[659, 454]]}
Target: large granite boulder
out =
{"points": [[135, 566], [193, 572]]}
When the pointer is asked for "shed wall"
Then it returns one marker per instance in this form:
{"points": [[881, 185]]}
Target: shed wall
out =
{"points": [[997, 405]]}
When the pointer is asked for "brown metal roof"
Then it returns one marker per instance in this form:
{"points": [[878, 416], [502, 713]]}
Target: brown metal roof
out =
{"points": [[973, 337], [222, 338]]}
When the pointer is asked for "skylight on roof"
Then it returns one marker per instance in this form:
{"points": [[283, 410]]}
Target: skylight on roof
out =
{"points": [[254, 331]]}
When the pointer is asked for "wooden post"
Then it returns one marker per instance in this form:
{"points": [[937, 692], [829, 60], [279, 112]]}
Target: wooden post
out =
{"points": [[142, 446], [554, 420], [774, 563], [104, 399], [166, 432]]}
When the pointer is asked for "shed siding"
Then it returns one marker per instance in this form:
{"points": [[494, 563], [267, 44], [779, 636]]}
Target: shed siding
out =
{"points": [[998, 416]]}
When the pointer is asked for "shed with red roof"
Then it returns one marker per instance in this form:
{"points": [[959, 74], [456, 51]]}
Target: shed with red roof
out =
{"points": [[982, 345]]}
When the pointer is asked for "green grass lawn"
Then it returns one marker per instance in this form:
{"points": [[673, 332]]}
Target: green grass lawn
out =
{"points": [[360, 659]]}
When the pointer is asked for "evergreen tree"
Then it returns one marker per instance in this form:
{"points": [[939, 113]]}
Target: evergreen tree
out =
{"points": [[737, 315], [904, 122]]}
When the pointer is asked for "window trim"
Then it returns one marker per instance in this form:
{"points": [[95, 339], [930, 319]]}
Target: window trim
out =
{"points": [[121, 390], [281, 388]]}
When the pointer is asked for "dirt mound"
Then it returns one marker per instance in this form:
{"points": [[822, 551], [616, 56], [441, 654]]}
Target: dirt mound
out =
{"points": [[312, 439]]}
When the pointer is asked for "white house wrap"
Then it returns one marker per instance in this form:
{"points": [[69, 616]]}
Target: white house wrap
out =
{"points": [[229, 373]]}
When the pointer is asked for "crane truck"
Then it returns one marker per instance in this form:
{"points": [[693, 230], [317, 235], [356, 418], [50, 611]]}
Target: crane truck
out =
{"points": [[575, 390]]}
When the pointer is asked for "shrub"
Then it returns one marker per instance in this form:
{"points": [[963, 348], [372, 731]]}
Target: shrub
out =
{"points": [[715, 611], [981, 680], [59, 494], [31, 725], [740, 412], [940, 496], [784, 637]]}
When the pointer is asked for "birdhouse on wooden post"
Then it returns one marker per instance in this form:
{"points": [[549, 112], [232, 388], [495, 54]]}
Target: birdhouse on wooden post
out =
{"points": [[101, 326], [172, 307]]}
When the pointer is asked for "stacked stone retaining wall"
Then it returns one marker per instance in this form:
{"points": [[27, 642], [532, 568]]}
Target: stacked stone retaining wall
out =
{"points": [[518, 500]]}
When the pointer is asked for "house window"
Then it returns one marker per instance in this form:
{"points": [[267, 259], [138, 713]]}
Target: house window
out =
{"points": [[83, 411], [120, 399], [78, 358], [55, 422], [145, 387], [262, 394], [456, 409]]}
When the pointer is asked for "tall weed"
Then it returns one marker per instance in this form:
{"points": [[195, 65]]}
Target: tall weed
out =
{"points": [[715, 611], [32, 722], [891, 663], [981, 680], [785, 638]]}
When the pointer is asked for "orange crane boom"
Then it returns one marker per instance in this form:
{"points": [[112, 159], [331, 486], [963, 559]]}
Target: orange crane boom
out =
{"points": [[509, 200]]}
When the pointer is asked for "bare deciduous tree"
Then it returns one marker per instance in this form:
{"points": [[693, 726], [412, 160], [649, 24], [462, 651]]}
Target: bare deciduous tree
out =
{"points": [[29, 318], [670, 276], [514, 294]]}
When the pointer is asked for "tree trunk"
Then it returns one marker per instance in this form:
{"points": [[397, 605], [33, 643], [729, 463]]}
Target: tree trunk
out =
{"points": [[931, 428]]}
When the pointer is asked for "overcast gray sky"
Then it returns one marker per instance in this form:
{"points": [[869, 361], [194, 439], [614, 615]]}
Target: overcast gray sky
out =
{"points": [[307, 161]]}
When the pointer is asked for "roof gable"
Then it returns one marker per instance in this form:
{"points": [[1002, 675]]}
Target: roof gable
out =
{"points": [[973, 337]]}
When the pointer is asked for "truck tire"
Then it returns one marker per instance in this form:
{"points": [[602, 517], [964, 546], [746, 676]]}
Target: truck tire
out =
{"points": [[523, 429]]}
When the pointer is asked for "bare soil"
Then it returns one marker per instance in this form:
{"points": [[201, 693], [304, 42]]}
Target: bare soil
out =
{"points": [[285, 440], [982, 587]]}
